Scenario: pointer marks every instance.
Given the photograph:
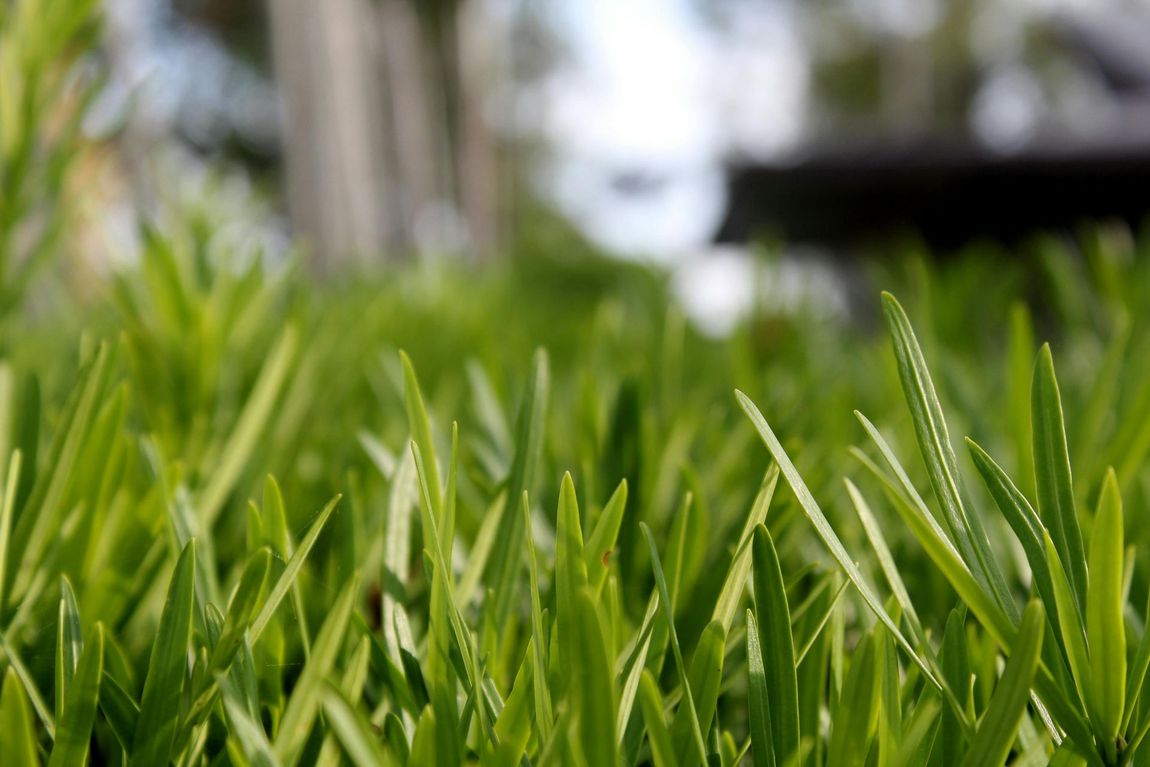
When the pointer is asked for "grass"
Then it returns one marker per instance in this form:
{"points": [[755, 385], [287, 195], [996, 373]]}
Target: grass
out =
{"points": [[240, 526]]}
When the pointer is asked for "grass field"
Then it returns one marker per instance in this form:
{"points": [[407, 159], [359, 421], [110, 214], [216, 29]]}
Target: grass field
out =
{"points": [[523, 513]]}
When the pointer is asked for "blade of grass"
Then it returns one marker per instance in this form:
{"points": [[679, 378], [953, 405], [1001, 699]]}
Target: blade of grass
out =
{"points": [[17, 734], [1105, 627], [996, 733], [658, 736], [167, 668], [69, 643], [74, 732], [759, 712], [773, 613], [1052, 474]]}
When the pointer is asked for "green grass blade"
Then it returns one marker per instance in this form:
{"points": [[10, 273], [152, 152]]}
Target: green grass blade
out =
{"points": [[759, 712], [248, 735], [774, 618], [17, 733], [69, 643], [253, 419], [593, 685], [680, 666], [651, 702], [727, 603], [420, 426], [74, 730], [1070, 624], [996, 733], [1052, 474], [284, 582], [570, 574], [938, 455], [120, 710], [601, 541], [7, 511], [167, 668], [306, 698], [353, 731], [825, 532], [544, 718], [1105, 628], [507, 556]]}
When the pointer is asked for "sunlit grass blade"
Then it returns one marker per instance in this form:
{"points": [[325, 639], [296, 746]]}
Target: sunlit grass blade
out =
{"points": [[7, 510], [1052, 474], [74, 729], [167, 668], [354, 733], [570, 574], [237, 452], [965, 527], [291, 570], [69, 643], [1105, 627], [17, 733], [248, 736], [996, 732], [825, 532], [774, 619], [544, 718]]}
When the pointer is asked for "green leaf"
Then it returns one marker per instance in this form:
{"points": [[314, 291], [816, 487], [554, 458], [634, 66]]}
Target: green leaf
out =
{"points": [[74, 729], [1070, 623], [420, 426], [602, 540], [659, 737], [1105, 628], [284, 582], [825, 532], [507, 556], [934, 443], [996, 733], [677, 651], [592, 684], [69, 643], [355, 735], [759, 712], [167, 668], [570, 574], [774, 616], [1052, 474], [17, 734], [544, 717], [306, 697], [705, 677], [727, 603], [120, 710], [855, 717]]}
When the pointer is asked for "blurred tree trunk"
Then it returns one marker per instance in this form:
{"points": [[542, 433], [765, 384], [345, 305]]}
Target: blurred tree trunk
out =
{"points": [[387, 149]]}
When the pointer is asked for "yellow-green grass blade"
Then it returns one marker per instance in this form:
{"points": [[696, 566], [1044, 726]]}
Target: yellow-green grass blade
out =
{"points": [[997, 730], [1105, 627]]}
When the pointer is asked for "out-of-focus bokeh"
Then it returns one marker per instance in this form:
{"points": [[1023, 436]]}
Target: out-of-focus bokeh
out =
{"points": [[659, 129]]}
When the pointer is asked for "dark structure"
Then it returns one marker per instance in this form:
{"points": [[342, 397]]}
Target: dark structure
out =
{"points": [[946, 193]]}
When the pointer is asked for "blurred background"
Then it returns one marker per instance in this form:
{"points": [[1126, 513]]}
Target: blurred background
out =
{"points": [[674, 131]]}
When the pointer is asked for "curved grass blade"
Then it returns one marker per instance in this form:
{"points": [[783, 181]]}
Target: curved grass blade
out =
{"points": [[826, 532], [727, 603], [167, 668], [353, 731], [996, 734], [593, 685], [284, 582], [706, 676], [934, 443]]}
